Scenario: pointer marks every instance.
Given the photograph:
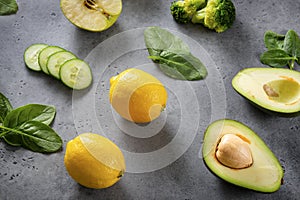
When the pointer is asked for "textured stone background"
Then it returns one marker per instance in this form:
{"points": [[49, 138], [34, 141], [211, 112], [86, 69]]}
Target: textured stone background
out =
{"points": [[28, 175]]}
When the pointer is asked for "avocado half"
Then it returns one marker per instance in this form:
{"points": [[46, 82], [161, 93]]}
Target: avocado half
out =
{"points": [[273, 90], [228, 147]]}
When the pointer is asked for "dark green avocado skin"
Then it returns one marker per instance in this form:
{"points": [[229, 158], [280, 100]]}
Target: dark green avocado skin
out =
{"points": [[271, 112], [242, 188]]}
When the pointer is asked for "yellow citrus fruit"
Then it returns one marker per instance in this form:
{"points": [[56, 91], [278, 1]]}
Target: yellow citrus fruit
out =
{"points": [[92, 15], [137, 96], [94, 161]]}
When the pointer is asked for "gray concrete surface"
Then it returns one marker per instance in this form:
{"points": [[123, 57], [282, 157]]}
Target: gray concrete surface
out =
{"points": [[28, 175]]}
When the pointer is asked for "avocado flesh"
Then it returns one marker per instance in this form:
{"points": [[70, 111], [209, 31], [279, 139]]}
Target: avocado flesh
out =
{"points": [[273, 90], [264, 175]]}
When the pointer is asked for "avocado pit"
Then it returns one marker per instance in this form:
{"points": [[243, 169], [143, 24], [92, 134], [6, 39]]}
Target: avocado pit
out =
{"points": [[285, 90], [232, 151]]}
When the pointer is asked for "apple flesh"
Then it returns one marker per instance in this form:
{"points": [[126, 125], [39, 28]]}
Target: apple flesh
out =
{"points": [[92, 15]]}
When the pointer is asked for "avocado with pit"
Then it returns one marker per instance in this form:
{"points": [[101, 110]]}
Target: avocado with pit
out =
{"points": [[273, 90], [236, 154]]}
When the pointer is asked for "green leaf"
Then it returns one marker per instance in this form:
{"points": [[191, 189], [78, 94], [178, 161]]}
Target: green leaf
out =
{"points": [[158, 40], [5, 107], [8, 7], [39, 137], [275, 58], [273, 40], [30, 112], [173, 55], [181, 66], [292, 44], [13, 138]]}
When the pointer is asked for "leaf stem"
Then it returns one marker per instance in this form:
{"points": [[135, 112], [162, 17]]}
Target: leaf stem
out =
{"points": [[9, 130], [4, 133], [292, 62]]}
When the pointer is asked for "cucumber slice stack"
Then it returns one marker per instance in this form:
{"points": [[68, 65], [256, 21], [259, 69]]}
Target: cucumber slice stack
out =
{"points": [[59, 63]]}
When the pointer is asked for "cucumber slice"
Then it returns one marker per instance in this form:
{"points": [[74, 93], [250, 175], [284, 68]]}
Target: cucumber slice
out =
{"points": [[31, 55], [56, 60], [76, 74], [45, 54]]}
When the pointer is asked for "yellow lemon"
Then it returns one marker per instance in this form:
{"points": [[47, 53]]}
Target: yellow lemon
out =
{"points": [[92, 15], [94, 161], [137, 95]]}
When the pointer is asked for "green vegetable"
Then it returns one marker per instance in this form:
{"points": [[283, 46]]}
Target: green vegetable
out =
{"points": [[27, 126], [273, 40], [173, 55], [35, 112], [37, 136], [12, 138], [31, 56], [50, 60], [45, 54], [17, 117], [283, 50], [158, 40], [292, 46], [56, 60], [76, 74], [180, 66], [5, 107], [218, 15], [275, 58], [8, 7], [183, 10]]}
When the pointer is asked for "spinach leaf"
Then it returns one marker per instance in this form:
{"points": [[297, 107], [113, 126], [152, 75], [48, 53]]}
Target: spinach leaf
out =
{"points": [[181, 66], [12, 138], [30, 112], [292, 45], [275, 58], [173, 55], [8, 7], [273, 40], [158, 40], [5, 107], [39, 137], [27, 126]]}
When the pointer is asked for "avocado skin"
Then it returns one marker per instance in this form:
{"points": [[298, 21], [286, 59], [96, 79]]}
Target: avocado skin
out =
{"points": [[268, 111], [237, 184], [243, 188]]}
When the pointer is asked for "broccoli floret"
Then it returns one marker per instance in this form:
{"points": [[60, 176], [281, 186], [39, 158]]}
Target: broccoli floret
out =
{"points": [[218, 15], [183, 10]]}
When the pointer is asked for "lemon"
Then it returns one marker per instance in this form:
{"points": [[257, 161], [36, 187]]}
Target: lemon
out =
{"points": [[94, 161], [137, 95], [92, 15]]}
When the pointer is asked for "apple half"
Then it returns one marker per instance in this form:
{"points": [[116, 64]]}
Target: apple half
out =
{"points": [[92, 15]]}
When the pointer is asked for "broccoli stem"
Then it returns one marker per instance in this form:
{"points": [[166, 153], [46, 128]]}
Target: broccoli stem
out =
{"points": [[198, 17]]}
